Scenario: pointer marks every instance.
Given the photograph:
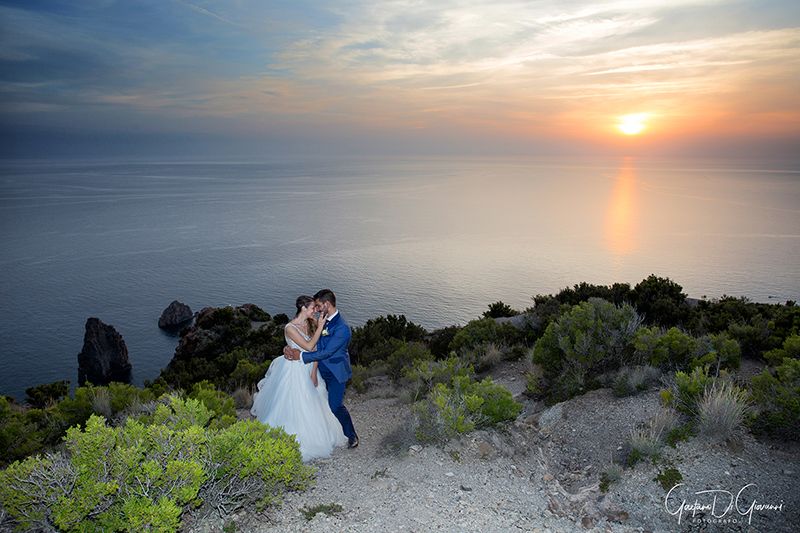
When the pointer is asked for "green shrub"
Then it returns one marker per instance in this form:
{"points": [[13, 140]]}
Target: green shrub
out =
{"points": [[404, 356], [668, 350], [499, 309], [21, 432], [44, 395], [145, 476], [776, 393], [678, 433], [359, 378], [790, 348], [251, 464], [482, 331], [380, 337], [660, 300], [688, 389], [668, 478], [618, 293], [546, 309], [425, 374], [675, 349], [718, 350], [249, 373], [592, 338], [219, 403], [440, 339], [449, 411]]}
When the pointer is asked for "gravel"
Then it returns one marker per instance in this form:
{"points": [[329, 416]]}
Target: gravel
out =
{"points": [[538, 474]]}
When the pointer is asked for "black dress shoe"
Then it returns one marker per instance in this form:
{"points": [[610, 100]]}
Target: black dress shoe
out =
{"points": [[352, 442]]}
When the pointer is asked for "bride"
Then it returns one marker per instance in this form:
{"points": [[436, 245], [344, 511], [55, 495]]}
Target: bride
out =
{"points": [[292, 396]]}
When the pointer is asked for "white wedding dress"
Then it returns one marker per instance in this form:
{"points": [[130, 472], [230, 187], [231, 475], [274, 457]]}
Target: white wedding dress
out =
{"points": [[287, 398]]}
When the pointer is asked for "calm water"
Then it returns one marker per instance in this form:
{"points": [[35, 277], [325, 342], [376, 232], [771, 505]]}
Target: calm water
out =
{"points": [[434, 239]]}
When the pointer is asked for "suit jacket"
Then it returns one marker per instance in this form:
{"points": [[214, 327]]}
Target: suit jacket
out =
{"points": [[332, 349]]}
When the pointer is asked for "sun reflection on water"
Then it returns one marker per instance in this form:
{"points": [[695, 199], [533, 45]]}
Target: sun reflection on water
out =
{"points": [[622, 215]]}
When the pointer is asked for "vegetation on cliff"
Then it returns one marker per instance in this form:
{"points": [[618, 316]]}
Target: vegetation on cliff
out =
{"points": [[581, 338]]}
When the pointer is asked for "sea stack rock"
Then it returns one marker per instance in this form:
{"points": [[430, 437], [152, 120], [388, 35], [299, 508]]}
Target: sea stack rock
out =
{"points": [[104, 357], [175, 315]]}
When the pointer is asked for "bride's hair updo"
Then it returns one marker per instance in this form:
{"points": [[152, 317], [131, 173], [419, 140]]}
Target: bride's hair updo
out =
{"points": [[301, 302]]}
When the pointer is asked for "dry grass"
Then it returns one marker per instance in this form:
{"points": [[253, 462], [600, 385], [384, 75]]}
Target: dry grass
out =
{"points": [[242, 398], [101, 402], [647, 439], [721, 409]]}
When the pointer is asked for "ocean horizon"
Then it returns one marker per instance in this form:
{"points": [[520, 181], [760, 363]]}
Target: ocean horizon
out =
{"points": [[436, 239]]}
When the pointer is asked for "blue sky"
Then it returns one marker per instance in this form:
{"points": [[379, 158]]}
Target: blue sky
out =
{"points": [[246, 76]]}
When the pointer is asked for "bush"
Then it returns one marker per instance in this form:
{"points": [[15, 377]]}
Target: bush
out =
{"points": [[21, 431], [661, 300], [668, 478], [144, 477], [424, 374], [449, 411], [498, 310], [592, 338], [618, 293], [776, 393], [439, 341], [675, 349], [546, 309], [755, 336], [248, 373], [482, 331], [668, 350], [358, 379], [251, 463], [721, 410], [688, 388], [44, 395], [380, 337], [29, 431], [790, 348], [220, 404], [404, 356]]}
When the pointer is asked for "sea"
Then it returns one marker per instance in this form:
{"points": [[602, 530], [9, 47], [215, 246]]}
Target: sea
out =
{"points": [[434, 239]]}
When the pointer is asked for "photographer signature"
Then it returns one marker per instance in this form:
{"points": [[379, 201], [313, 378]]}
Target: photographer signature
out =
{"points": [[738, 503]]}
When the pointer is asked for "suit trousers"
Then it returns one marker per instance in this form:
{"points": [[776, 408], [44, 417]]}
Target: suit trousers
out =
{"points": [[336, 401]]}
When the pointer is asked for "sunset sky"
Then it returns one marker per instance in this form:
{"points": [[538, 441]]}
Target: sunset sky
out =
{"points": [[246, 76]]}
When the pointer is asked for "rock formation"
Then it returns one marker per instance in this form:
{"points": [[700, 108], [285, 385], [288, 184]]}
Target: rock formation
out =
{"points": [[104, 357], [175, 315]]}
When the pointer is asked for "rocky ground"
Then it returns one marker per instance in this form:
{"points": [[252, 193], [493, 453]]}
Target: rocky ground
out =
{"points": [[540, 473]]}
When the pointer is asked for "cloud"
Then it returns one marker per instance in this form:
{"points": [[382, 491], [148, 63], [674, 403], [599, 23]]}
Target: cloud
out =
{"points": [[524, 69]]}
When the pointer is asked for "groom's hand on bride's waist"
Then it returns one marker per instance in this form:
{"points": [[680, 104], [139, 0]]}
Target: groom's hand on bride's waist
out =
{"points": [[292, 354]]}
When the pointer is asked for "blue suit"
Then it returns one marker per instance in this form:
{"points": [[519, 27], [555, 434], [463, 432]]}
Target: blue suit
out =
{"points": [[334, 367]]}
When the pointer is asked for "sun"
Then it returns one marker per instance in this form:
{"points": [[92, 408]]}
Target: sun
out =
{"points": [[633, 124]]}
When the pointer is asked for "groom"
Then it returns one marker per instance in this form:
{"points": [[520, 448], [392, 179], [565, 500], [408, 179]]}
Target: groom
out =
{"points": [[334, 360]]}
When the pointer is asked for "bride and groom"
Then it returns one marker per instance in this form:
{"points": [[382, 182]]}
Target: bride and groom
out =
{"points": [[293, 396]]}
